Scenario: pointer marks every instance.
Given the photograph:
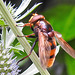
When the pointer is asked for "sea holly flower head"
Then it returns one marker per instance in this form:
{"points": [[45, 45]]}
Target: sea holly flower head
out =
{"points": [[7, 62]]}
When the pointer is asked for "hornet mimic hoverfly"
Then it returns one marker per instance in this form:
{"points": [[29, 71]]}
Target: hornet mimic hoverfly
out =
{"points": [[44, 33]]}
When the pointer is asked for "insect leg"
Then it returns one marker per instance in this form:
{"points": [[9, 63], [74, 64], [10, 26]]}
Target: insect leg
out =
{"points": [[30, 51], [29, 36], [27, 24]]}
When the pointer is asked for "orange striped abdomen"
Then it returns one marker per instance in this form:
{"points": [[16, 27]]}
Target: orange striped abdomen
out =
{"points": [[52, 53]]}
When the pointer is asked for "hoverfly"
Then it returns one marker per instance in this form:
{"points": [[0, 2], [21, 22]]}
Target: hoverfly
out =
{"points": [[44, 33]]}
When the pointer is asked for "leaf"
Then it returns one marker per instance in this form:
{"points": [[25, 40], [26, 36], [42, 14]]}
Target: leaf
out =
{"points": [[70, 62], [19, 47], [2, 23]]}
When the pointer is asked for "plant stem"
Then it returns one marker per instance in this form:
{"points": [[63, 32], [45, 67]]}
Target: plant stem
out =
{"points": [[22, 40], [4, 36]]}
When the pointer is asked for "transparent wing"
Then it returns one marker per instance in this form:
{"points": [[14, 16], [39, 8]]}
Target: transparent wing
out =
{"points": [[64, 44], [44, 49]]}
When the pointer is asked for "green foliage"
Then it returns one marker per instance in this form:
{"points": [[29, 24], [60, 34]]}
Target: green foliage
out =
{"points": [[2, 23], [70, 62]]}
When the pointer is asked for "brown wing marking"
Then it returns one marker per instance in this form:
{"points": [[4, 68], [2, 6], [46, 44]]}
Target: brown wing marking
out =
{"points": [[44, 49], [64, 44]]}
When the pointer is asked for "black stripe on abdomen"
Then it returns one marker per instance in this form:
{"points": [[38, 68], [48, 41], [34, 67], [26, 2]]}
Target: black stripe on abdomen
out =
{"points": [[52, 56], [53, 46]]}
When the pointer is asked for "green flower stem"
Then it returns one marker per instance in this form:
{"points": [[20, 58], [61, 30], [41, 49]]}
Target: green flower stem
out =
{"points": [[4, 35], [22, 40]]}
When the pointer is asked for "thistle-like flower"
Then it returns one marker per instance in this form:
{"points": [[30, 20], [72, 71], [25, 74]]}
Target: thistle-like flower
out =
{"points": [[7, 62]]}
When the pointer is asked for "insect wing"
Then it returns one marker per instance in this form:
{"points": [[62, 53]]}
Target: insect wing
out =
{"points": [[44, 49], [64, 44]]}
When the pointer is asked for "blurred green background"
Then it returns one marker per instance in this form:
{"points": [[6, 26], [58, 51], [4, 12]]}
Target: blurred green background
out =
{"points": [[61, 15]]}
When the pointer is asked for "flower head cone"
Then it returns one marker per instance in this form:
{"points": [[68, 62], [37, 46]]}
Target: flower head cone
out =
{"points": [[7, 63]]}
